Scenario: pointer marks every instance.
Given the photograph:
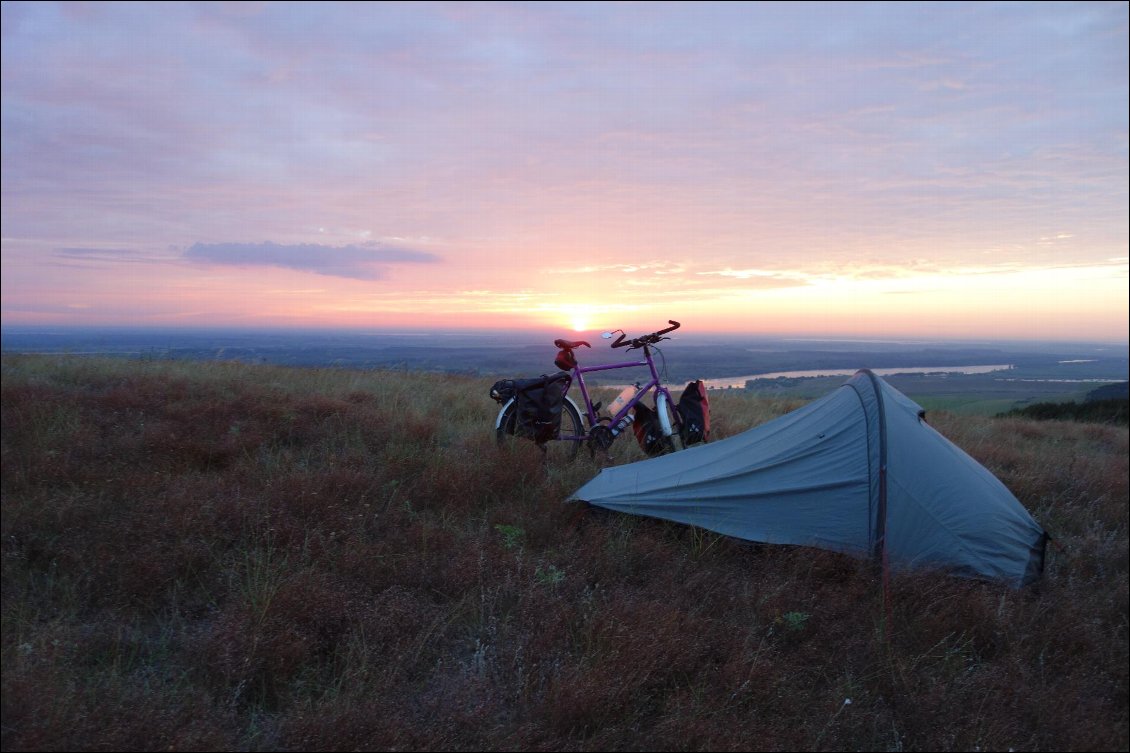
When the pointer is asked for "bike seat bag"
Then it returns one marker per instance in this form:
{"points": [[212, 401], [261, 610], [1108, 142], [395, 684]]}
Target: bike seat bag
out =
{"points": [[565, 360], [694, 408], [539, 403], [649, 432]]}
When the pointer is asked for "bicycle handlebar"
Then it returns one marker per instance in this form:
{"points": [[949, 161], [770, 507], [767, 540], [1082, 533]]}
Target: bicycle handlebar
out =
{"points": [[640, 342]]}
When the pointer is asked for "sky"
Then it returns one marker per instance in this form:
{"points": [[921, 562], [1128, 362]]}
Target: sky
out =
{"points": [[947, 170]]}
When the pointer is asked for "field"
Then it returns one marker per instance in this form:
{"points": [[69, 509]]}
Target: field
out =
{"points": [[224, 556]]}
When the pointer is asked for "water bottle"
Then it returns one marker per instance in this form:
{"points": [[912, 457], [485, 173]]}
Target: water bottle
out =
{"points": [[622, 400], [623, 423]]}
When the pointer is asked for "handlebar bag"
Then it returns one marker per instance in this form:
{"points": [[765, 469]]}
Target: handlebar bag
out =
{"points": [[694, 408], [539, 402]]}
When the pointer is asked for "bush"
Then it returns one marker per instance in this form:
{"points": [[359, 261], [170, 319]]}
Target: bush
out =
{"points": [[1091, 411]]}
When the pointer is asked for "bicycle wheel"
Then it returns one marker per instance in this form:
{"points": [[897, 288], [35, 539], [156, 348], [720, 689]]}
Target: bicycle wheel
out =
{"points": [[563, 448]]}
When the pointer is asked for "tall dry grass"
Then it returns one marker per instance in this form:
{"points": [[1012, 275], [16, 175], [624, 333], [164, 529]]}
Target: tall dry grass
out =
{"points": [[221, 556]]}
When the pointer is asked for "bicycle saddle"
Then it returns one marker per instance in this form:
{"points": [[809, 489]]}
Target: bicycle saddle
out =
{"points": [[570, 344]]}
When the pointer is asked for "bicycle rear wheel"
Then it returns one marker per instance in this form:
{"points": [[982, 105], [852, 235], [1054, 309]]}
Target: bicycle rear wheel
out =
{"points": [[562, 448]]}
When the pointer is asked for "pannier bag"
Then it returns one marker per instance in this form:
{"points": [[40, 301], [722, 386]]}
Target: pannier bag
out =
{"points": [[538, 402], [649, 433], [502, 390], [694, 408]]}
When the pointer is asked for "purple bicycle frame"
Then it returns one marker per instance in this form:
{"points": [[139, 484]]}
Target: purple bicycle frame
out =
{"points": [[579, 371]]}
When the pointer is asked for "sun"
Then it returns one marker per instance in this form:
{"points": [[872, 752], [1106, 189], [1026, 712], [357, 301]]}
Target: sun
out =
{"points": [[588, 317], [578, 316]]}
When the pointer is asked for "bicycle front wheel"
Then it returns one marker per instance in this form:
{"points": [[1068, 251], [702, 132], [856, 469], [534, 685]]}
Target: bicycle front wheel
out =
{"points": [[562, 448], [671, 422]]}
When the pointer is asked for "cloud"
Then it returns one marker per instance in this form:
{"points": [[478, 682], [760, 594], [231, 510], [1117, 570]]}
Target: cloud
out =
{"points": [[115, 255], [760, 278], [656, 268], [352, 262], [758, 144]]}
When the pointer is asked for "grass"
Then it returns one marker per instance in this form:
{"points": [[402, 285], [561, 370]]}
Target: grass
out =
{"points": [[232, 557]]}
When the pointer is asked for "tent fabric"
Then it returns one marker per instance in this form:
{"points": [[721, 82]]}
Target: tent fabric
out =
{"points": [[858, 471]]}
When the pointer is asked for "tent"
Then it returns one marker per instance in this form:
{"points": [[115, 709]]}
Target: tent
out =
{"points": [[858, 471]]}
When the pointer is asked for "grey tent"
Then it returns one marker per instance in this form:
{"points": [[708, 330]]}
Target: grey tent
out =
{"points": [[858, 471]]}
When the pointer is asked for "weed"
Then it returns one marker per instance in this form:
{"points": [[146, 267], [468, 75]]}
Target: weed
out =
{"points": [[224, 556], [511, 535], [794, 621], [550, 576]]}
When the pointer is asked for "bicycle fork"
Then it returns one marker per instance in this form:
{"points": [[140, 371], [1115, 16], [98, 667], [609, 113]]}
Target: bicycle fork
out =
{"points": [[661, 400]]}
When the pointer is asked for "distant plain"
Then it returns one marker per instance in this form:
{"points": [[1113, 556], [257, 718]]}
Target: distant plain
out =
{"points": [[1039, 371]]}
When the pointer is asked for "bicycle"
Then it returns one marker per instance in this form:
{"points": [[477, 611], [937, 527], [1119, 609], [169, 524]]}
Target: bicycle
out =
{"points": [[595, 431]]}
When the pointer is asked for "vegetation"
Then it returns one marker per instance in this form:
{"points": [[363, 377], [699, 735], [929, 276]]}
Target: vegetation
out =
{"points": [[1093, 411], [1119, 391], [235, 557], [1105, 405]]}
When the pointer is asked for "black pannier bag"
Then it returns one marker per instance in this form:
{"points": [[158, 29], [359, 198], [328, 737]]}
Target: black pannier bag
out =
{"points": [[648, 431], [502, 390], [539, 403], [694, 408]]}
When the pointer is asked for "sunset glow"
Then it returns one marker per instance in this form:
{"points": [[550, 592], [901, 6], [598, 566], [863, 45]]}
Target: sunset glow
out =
{"points": [[953, 170]]}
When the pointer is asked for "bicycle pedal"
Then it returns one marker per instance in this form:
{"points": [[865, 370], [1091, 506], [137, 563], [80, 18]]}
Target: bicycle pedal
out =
{"points": [[597, 405]]}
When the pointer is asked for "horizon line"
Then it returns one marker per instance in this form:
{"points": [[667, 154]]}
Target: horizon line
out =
{"points": [[800, 337]]}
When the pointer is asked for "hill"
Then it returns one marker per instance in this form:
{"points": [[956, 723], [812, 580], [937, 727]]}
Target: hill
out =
{"points": [[1120, 391], [1106, 405], [1091, 411], [231, 556]]}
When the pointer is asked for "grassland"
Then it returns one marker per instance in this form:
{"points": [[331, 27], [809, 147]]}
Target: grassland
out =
{"points": [[232, 557]]}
